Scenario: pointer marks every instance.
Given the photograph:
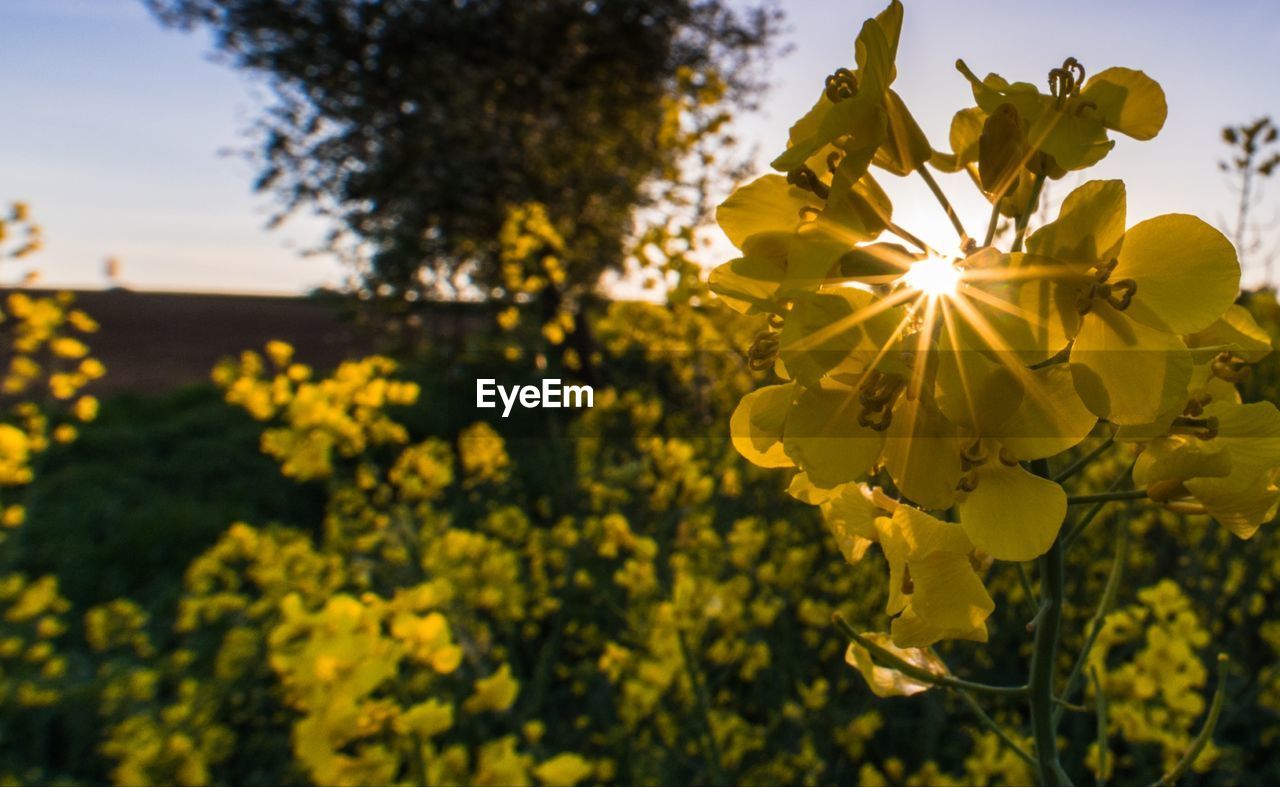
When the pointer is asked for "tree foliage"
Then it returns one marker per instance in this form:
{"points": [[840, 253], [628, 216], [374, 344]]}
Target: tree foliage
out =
{"points": [[418, 124]]}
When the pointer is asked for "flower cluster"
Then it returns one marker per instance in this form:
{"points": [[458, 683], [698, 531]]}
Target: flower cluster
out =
{"points": [[921, 395]]}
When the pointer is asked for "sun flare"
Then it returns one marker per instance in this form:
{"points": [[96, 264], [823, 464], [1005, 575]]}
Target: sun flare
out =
{"points": [[934, 276]]}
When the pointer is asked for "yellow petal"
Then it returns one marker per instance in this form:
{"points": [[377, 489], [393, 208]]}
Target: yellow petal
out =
{"points": [[749, 284], [802, 489], [1012, 514], [974, 391], [1126, 100], [767, 204], [1089, 227], [1179, 457], [1237, 331], [850, 517], [948, 594], [1128, 372], [1186, 271], [756, 425], [1239, 507], [1251, 433], [823, 330], [823, 438], [1051, 418], [909, 630], [922, 453], [916, 535], [886, 681]]}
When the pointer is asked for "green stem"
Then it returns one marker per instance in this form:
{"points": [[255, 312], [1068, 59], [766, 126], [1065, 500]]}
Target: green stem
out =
{"points": [[965, 240], [995, 728], [922, 675], [1100, 703], [1088, 518], [1100, 614], [1025, 218], [911, 238], [1027, 589], [1080, 463], [992, 223], [704, 708], [1043, 659], [1206, 732], [1107, 497]]}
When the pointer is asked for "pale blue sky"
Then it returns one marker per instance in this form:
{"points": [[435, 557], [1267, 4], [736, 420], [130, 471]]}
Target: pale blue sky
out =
{"points": [[112, 127]]}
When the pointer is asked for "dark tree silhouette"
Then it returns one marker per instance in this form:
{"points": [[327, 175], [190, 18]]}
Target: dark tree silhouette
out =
{"points": [[416, 124]]}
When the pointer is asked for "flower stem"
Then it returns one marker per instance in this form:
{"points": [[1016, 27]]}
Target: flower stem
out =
{"points": [[917, 673], [1206, 732], [1100, 614], [995, 728], [910, 237], [965, 240], [992, 223], [1043, 659], [1107, 497], [1083, 461], [712, 751], [1025, 218]]}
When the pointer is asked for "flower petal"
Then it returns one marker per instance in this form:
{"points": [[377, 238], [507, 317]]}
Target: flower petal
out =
{"points": [[1128, 101], [886, 681], [1052, 417], [1012, 514], [1128, 372], [1089, 227], [922, 453], [766, 204], [823, 438], [756, 425], [1186, 271]]}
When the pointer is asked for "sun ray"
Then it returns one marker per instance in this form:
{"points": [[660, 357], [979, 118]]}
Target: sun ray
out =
{"points": [[949, 320], [853, 320]]}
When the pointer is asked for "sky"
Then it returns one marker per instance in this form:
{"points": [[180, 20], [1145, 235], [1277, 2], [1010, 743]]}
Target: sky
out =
{"points": [[121, 134]]}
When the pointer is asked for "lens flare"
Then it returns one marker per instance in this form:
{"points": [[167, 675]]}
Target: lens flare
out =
{"points": [[934, 276]]}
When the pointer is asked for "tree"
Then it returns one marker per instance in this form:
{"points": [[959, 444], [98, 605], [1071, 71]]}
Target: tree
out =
{"points": [[1255, 155], [418, 125]]}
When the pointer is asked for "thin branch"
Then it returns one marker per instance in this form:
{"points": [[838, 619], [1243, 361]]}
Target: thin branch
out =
{"points": [[1100, 704], [911, 238], [1206, 732], [965, 240], [1023, 220], [995, 728], [1107, 497], [1024, 579], [1088, 518], [1100, 614], [704, 709], [917, 673], [992, 223], [1083, 461]]}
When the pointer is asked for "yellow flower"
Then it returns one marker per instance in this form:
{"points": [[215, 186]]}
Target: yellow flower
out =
{"points": [[494, 693], [563, 770]]}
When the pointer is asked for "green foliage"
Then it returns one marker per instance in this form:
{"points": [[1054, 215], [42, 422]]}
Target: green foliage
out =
{"points": [[146, 488]]}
